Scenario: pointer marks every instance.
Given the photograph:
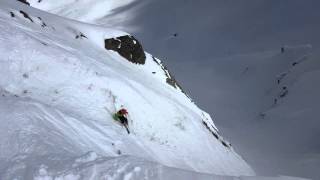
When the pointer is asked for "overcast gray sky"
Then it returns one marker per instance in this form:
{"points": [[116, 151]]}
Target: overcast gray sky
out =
{"points": [[208, 30]]}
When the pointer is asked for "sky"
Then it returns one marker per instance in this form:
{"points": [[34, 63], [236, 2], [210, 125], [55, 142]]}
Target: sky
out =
{"points": [[192, 37]]}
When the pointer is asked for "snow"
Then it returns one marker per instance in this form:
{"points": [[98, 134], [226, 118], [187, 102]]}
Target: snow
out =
{"points": [[78, 9], [285, 132], [58, 94], [90, 11], [75, 85]]}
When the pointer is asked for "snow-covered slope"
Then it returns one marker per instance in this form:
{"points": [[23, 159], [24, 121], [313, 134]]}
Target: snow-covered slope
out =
{"points": [[89, 11], [259, 78], [243, 90], [60, 86], [275, 96]]}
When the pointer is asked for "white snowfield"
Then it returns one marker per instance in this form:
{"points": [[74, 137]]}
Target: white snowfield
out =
{"points": [[58, 93], [83, 10], [90, 11]]}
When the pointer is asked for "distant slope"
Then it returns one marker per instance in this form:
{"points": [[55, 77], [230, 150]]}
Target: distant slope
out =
{"points": [[275, 96], [90, 11]]}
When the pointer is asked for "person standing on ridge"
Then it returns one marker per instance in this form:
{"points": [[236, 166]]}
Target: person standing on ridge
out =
{"points": [[121, 116]]}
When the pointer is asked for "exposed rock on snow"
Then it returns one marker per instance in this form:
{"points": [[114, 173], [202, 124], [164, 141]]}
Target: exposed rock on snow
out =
{"points": [[25, 2], [43, 24], [26, 15], [128, 47], [169, 77], [81, 35]]}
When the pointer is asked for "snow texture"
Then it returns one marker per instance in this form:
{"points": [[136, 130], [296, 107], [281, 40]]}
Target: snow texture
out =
{"points": [[59, 88]]}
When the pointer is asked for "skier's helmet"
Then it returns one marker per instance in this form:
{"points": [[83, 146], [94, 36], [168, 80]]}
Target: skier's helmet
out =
{"points": [[123, 111]]}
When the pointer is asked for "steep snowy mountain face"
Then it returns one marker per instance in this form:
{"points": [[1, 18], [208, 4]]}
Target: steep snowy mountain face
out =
{"points": [[62, 81], [234, 54]]}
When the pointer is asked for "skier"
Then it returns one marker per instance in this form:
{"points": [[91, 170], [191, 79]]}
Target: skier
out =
{"points": [[121, 116]]}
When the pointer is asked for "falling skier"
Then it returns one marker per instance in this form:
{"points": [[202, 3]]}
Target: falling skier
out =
{"points": [[121, 116]]}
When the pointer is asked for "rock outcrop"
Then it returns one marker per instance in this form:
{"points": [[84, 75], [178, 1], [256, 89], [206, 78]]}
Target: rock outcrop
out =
{"points": [[25, 2], [128, 47]]}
